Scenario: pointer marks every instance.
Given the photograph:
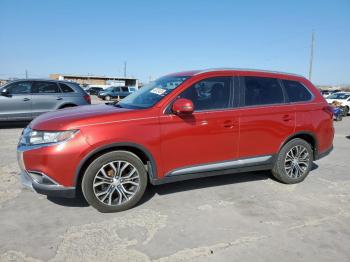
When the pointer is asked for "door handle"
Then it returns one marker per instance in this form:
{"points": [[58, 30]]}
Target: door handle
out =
{"points": [[228, 124], [59, 98], [26, 99], [287, 118]]}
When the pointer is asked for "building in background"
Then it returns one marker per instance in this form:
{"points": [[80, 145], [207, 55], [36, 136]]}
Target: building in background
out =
{"points": [[3, 81], [98, 81]]}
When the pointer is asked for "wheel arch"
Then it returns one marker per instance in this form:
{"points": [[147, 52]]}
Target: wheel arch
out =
{"points": [[139, 150], [308, 136]]}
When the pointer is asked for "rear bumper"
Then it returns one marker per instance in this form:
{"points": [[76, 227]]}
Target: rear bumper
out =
{"points": [[325, 153]]}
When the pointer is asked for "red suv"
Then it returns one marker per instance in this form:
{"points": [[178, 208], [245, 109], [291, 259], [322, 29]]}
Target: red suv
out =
{"points": [[182, 126]]}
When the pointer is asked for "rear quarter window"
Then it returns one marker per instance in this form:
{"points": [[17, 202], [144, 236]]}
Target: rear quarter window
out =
{"points": [[296, 91], [65, 88]]}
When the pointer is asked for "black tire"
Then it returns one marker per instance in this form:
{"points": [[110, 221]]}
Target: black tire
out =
{"points": [[346, 110], [279, 169], [92, 171]]}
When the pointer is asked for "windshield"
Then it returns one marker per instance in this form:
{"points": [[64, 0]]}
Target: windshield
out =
{"points": [[339, 96], [152, 93]]}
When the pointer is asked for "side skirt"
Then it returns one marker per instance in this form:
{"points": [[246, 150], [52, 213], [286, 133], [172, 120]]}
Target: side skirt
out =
{"points": [[216, 169]]}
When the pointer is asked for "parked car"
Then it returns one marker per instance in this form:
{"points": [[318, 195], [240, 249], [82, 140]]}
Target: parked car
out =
{"points": [[343, 98], [94, 90], [114, 92], [326, 93], [182, 126], [26, 99]]}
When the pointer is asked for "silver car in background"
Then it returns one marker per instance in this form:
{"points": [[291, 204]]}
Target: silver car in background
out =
{"points": [[22, 100]]}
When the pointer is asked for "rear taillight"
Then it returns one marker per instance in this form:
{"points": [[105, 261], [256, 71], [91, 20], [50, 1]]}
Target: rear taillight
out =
{"points": [[87, 98], [328, 110]]}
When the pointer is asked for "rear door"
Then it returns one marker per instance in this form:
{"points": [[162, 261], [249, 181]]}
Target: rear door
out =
{"points": [[46, 96], [17, 104], [266, 119]]}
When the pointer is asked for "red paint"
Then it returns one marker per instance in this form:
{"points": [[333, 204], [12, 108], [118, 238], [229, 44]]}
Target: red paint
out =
{"points": [[178, 140]]}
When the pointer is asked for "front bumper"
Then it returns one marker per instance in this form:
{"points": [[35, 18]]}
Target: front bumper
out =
{"points": [[41, 183], [49, 190]]}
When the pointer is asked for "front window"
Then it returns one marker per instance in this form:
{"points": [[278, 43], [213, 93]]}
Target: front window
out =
{"points": [[152, 93], [339, 96], [18, 88], [210, 93]]}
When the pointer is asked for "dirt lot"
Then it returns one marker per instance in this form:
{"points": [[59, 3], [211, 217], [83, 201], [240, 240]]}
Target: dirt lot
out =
{"points": [[248, 217]]}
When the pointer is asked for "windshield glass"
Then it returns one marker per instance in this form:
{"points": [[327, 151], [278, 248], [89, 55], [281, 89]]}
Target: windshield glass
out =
{"points": [[339, 96], [152, 93]]}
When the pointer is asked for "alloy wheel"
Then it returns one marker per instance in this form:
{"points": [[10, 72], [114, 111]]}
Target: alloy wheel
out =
{"points": [[116, 183], [297, 161]]}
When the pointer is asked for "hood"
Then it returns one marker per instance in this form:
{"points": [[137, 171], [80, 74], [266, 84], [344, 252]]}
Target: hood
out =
{"points": [[75, 117]]}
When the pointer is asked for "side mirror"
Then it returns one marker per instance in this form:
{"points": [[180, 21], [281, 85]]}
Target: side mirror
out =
{"points": [[183, 106]]}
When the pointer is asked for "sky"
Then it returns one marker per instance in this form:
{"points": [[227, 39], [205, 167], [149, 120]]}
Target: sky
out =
{"points": [[161, 37]]}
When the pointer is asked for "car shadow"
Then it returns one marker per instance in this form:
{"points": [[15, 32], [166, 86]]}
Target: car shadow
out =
{"points": [[213, 181], [78, 201], [9, 124], [187, 185]]}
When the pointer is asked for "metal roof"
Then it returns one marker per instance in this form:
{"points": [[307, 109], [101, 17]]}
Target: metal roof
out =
{"points": [[197, 72]]}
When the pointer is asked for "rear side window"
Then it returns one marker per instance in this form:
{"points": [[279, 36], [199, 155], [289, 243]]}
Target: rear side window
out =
{"points": [[65, 88], [125, 89], [45, 87], [262, 91], [296, 92]]}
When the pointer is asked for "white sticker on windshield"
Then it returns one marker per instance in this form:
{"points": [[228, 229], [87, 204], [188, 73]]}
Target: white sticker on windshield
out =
{"points": [[158, 91]]}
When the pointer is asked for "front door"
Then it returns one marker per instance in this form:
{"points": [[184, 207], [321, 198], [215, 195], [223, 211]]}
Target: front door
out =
{"points": [[17, 103], [208, 135]]}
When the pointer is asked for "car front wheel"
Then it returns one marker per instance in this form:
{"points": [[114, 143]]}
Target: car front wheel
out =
{"points": [[115, 181], [294, 162]]}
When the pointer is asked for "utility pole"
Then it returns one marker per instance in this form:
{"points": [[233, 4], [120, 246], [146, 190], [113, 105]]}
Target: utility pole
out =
{"points": [[26, 74], [311, 54], [124, 68]]}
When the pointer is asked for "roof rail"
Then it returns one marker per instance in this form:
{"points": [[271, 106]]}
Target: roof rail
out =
{"points": [[244, 69]]}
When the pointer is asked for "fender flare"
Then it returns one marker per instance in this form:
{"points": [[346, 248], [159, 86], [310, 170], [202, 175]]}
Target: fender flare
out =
{"points": [[152, 172], [302, 132]]}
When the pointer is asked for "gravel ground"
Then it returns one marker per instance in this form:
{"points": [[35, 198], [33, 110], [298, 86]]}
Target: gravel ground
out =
{"points": [[228, 218]]}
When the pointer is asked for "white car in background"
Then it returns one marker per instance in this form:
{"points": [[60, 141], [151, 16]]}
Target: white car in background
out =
{"points": [[343, 98]]}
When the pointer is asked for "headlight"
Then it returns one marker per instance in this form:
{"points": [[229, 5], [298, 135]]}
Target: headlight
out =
{"points": [[34, 137]]}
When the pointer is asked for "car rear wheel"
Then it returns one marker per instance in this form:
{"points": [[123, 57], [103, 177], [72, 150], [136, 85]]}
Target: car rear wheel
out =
{"points": [[108, 98], [115, 181], [294, 162]]}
